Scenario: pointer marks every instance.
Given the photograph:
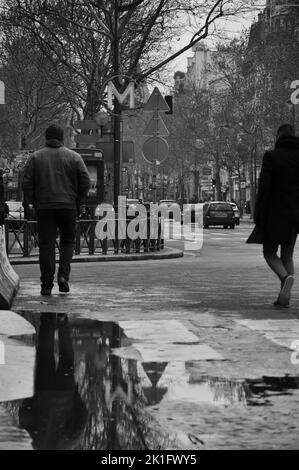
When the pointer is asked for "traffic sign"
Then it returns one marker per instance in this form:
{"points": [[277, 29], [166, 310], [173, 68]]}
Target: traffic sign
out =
{"points": [[107, 148], [86, 124], [87, 139], [156, 126], [156, 102], [155, 148]]}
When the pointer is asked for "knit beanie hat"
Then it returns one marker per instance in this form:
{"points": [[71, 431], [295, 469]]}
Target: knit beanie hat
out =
{"points": [[54, 132]]}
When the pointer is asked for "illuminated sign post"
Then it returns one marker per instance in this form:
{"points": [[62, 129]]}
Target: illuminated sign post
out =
{"points": [[116, 109], [121, 97]]}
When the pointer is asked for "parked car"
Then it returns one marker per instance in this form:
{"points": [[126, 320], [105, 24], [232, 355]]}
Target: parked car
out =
{"points": [[168, 203], [188, 212], [218, 213], [16, 209], [236, 212]]}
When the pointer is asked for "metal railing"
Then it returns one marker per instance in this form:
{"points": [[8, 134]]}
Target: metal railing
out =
{"points": [[22, 239]]}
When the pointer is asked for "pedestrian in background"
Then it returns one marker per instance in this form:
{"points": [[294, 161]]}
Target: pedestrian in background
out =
{"points": [[55, 181], [276, 212], [6, 209]]}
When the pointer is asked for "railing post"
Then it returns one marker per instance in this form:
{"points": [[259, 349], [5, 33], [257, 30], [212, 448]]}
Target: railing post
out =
{"points": [[25, 240], [116, 241], [78, 238], [91, 237]]}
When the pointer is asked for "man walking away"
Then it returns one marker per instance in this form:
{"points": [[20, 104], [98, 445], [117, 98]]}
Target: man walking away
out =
{"points": [[277, 208], [55, 181]]}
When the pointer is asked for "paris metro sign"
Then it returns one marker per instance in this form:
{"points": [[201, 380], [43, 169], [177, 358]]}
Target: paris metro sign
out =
{"points": [[121, 97]]}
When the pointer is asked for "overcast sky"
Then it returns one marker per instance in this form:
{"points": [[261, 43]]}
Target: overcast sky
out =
{"points": [[232, 27]]}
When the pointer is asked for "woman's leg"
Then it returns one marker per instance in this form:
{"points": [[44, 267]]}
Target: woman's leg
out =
{"points": [[273, 261], [283, 267], [286, 254]]}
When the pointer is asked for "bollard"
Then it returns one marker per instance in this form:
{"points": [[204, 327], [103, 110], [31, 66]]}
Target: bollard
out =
{"points": [[9, 280]]}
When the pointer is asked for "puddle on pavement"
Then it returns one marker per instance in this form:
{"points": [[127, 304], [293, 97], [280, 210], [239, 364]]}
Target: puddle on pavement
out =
{"points": [[88, 397]]}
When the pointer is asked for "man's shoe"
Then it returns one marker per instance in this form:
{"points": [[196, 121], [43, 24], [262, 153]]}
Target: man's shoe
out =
{"points": [[46, 291], [285, 293], [63, 285]]}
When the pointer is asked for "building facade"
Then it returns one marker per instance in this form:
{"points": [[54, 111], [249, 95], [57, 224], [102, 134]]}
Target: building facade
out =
{"points": [[278, 16]]}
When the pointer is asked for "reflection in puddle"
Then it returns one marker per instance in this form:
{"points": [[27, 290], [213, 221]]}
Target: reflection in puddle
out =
{"points": [[86, 397]]}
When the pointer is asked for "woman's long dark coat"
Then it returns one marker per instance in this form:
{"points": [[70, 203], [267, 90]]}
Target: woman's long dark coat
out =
{"points": [[277, 205]]}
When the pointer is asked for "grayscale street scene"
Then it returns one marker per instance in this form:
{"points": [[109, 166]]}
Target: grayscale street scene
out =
{"points": [[149, 213]]}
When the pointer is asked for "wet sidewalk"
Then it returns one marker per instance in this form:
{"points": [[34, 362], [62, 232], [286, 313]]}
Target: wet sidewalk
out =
{"points": [[151, 355]]}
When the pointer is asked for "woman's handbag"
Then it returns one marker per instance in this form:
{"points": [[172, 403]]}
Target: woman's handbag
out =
{"points": [[257, 235]]}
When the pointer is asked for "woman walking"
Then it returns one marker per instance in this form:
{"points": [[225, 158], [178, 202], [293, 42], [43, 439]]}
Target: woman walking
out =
{"points": [[276, 212]]}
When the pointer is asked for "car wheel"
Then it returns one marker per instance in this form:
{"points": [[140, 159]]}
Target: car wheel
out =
{"points": [[232, 226], [225, 226]]}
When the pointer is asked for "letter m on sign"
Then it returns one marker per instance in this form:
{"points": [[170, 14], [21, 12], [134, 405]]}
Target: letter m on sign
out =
{"points": [[2, 93], [121, 97]]}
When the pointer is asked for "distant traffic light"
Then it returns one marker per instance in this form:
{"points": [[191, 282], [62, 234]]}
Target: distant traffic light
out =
{"points": [[169, 101], [214, 182]]}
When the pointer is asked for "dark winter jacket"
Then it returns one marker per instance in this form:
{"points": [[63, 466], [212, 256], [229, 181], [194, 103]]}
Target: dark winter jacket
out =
{"points": [[277, 205], [55, 177]]}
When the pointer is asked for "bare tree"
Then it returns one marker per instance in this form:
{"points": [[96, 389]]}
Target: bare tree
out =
{"points": [[31, 98], [84, 40]]}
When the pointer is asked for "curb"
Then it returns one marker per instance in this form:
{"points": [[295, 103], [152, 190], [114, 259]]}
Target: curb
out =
{"points": [[246, 221], [170, 253]]}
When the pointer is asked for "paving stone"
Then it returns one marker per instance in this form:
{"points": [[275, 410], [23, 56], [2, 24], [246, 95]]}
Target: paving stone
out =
{"points": [[12, 324]]}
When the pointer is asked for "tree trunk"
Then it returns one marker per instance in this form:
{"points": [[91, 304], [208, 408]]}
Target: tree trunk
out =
{"points": [[196, 184], [240, 195], [182, 188]]}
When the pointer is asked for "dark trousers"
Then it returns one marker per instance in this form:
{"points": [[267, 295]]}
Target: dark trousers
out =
{"points": [[49, 220], [48, 375]]}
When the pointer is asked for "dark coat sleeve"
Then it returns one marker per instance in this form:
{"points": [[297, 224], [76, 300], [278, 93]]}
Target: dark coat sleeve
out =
{"points": [[28, 185], [263, 195], [83, 179]]}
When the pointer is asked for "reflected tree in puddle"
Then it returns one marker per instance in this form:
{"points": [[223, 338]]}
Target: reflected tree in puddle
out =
{"points": [[86, 397], [227, 391], [112, 390]]}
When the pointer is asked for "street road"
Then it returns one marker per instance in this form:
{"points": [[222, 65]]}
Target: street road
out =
{"points": [[207, 322]]}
